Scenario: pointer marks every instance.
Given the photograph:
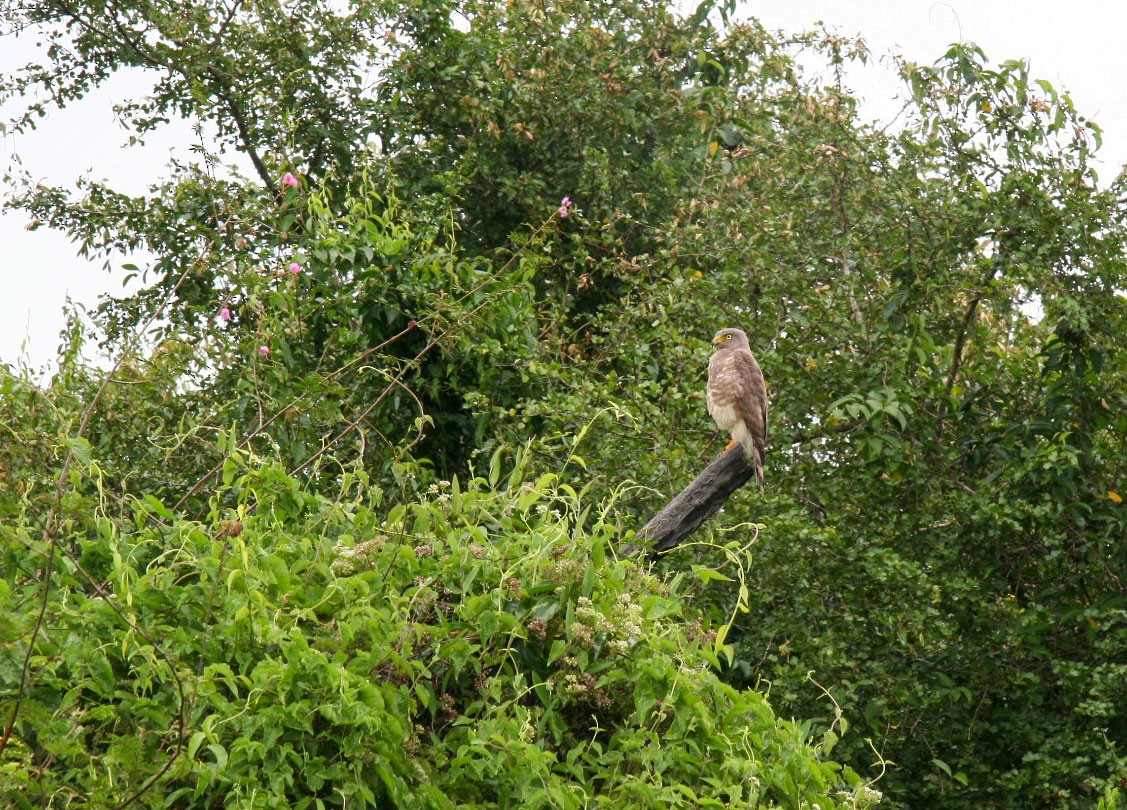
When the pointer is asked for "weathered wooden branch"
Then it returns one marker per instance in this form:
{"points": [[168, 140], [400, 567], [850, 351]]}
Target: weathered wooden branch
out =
{"points": [[695, 504], [709, 491]]}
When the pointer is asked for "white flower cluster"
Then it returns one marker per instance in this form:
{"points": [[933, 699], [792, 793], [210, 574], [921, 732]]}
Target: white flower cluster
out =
{"points": [[622, 628], [437, 490], [352, 559], [861, 797], [543, 509]]}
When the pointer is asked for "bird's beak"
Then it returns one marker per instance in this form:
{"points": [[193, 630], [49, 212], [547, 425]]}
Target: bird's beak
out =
{"points": [[715, 341]]}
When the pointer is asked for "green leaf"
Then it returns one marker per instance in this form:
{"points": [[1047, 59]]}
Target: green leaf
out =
{"points": [[194, 743], [157, 506], [220, 754], [706, 574], [80, 449]]}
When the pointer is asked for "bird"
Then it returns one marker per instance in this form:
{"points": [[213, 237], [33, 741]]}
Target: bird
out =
{"points": [[737, 396]]}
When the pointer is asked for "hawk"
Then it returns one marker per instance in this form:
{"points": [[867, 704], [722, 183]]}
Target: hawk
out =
{"points": [[737, 396]]}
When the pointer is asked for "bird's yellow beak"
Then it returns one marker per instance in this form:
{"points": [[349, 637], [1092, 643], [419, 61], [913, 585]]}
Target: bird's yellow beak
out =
{"points": [[715, 340]]}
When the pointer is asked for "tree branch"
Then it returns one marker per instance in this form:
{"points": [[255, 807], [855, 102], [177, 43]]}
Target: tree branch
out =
{"points": [[695, 504], [960, 342], [964, 327], [235, 110], [826, 431], [709, 491]]}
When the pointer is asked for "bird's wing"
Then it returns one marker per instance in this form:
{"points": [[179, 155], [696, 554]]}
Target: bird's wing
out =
{"points": [[751, 395]]}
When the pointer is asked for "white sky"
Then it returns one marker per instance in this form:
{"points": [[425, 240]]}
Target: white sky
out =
{"points": [[1077, 46]]}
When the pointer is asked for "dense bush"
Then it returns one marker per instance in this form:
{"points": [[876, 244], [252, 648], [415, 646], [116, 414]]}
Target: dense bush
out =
{"points": [[481, 647]]}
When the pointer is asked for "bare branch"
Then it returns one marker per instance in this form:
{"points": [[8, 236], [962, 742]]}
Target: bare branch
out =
{"points": [[695, 504]]}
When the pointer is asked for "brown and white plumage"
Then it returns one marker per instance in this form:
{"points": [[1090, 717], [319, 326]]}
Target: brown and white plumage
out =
{"points": [[737, 396]]}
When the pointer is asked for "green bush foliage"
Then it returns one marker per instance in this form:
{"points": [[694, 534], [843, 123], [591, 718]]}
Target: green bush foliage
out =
{"points": [[479, 647]]}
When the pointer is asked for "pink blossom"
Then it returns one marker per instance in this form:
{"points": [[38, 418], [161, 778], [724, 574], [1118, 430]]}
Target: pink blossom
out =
{"points": [[224, 314], [289, 180], [295, 268], [264, 351], [565, 205]]}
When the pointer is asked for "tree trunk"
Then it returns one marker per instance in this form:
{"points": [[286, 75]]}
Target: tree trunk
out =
{"points": [[695, 504]]}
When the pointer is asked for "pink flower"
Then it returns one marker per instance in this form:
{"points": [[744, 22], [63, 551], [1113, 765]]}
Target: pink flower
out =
{"points": [[295, 268], [289, 180], [263, 351], [224, 314], [565, 205]]}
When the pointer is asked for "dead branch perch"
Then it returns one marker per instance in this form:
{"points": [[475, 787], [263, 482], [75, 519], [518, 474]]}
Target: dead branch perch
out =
{"points": [[695, 504]]}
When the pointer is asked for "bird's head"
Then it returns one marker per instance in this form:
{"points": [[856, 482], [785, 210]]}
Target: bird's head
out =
{"points": [[726, 338]]}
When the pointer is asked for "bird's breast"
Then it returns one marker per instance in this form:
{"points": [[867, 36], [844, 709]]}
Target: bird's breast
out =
{"points": [[723, 382], [724, 414]]}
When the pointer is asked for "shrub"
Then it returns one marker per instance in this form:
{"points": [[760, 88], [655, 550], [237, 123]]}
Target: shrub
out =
{"points": [[480, 647]]}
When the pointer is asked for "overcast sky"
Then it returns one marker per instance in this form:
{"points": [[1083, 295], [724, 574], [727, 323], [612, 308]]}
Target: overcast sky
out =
{"points": [[1078, 46]]}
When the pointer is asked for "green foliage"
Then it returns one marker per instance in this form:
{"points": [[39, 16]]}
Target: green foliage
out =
{"points": [[480, 647], [938, 310]]}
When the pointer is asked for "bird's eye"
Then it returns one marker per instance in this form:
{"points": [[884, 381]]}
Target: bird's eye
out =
{"points": [[725, 337]]}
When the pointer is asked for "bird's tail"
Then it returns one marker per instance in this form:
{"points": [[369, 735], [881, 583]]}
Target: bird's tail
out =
{"points": [[754, 452]]}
